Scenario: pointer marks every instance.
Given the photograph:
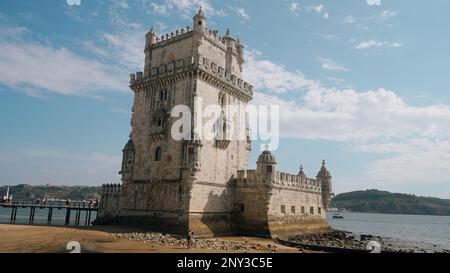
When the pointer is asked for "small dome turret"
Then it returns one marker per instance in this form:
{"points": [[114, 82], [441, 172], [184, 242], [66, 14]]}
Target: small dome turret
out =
{"points": [[323, 172], [129, 146], [200, 21], [301, 172], [267, 157], [150, 38]]}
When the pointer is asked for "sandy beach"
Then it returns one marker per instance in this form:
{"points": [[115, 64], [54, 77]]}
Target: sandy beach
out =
{"points": [[50, 239]]}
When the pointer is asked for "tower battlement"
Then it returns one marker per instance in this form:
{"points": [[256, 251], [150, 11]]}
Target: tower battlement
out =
{"points": [[155, 41], [283, 180], [184, 66], [108, 189], [196, 43]]}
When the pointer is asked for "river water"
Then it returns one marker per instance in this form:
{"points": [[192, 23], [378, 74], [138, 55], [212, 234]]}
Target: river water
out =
{"points": [[421, 230]]}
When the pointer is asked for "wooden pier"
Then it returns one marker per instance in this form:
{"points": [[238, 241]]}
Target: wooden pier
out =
{"points": [[73, 206]]}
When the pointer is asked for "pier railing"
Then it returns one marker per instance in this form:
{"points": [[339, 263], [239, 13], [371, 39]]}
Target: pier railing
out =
{"points": [[51, 204], [77, 206]]}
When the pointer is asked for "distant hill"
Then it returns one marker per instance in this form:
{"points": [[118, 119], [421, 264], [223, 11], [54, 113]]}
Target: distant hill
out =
{"points": [[27, 192], [394, 203]]}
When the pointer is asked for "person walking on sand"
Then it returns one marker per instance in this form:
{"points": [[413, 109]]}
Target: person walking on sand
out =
{"points": [[192, 239], [188, 240]]}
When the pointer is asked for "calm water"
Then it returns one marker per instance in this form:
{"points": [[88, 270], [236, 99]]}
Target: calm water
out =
{"points": [[416, 228], [40, 216]]}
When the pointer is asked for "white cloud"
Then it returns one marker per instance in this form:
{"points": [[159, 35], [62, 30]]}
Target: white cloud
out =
{"points": [[374, 2], [382, 16], [243, 14], [317, 8], [413, 141], [374, 43], [349, 20], [276, 78], [184, 7], [295, 8], [123, 4], [32, 68], [320, 9], [328, 64], [388, 13], [126, 47], [414, 160], [162, 9], [57, 167], [329, 37]]}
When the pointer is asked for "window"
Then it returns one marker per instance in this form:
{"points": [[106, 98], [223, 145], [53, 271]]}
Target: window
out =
{"points": [[303, 210], [269, 168], [283, 209], [222, 100], [163, 95], [158, 154], [293, 209], [199, 23], [160, 122], [311, 210], [319, 210]]}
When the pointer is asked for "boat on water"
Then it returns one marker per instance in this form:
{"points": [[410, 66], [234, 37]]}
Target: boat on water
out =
{"points": [[338, 216]]}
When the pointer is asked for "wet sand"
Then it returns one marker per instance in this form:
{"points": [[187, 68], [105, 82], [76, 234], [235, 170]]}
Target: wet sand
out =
{"points": [[48, 239]]}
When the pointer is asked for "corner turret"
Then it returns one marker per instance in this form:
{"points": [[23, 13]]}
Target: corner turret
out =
{"points": [[128, 161], [266, 167], [324, 180], [200, 21], [150, 38]]}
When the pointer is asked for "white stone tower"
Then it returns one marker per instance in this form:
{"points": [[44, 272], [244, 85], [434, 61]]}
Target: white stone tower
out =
{"points": [[184, 183]]}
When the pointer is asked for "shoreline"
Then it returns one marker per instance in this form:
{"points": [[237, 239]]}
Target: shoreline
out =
{"points": [[121, 239], [342, 239]]}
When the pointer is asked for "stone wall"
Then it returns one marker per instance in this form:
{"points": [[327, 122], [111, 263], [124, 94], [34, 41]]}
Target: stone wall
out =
{"points": [[289, 204]]}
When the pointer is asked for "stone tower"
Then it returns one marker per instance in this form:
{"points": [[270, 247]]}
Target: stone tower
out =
{"points": [[183, 184], [175, 184]]}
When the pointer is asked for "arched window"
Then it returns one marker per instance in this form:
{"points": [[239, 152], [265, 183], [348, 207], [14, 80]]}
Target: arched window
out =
{"points": [[158, 154], [163, 94], [160, 122]]}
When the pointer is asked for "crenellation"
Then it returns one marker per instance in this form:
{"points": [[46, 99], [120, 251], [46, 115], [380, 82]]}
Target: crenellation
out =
{"points": [[186, 64]]}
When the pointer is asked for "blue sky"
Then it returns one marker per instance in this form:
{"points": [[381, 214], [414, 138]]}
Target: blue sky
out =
{"points": [[361, 83]]}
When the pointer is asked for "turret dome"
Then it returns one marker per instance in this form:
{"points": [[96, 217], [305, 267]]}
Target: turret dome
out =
{"points": [[267, 157], [323, 171], [129, 146], [301, 172]]}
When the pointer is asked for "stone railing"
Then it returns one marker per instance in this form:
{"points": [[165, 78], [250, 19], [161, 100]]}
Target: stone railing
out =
{"points": [[296, 181], [284, 180]]}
